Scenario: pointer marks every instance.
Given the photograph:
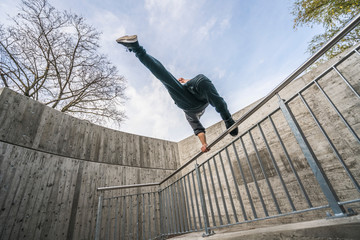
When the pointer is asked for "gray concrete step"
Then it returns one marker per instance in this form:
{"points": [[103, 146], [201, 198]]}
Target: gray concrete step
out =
{"points": [[334, 228]]}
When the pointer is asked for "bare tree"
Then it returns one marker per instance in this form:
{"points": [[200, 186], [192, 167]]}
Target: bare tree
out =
{"points": [[52, 56]]}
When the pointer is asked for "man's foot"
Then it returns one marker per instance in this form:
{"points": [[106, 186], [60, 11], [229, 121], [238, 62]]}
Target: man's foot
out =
{"points": [[130, 42], [228, 124]]}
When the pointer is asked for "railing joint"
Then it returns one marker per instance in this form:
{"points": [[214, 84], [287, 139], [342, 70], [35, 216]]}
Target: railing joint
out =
{"points": [[210, 233]]}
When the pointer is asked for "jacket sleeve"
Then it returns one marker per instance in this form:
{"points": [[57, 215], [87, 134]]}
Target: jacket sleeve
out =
{"points": [[195, 123]]}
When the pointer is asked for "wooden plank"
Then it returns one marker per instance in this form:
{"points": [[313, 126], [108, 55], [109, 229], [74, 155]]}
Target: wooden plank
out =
{"points": [[40, 196], [31, 204], [58, 228], [44, 202], [15, 192], [92, 201], [26, 167], [83, 206], [75, 202]]}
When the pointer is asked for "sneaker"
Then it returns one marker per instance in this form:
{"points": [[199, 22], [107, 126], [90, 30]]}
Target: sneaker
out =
{"points": [[130, 42], [228, 124]]}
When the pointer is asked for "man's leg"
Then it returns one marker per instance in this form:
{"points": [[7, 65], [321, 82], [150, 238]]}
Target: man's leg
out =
{"points": [[182, 98], [158, 70], [208, 91]]}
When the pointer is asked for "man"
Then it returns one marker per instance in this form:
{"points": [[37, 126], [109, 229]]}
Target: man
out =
{"points": [[191, 95]]}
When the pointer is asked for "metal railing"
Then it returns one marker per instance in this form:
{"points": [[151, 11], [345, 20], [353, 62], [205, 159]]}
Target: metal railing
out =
{"points": [[280, 166]]}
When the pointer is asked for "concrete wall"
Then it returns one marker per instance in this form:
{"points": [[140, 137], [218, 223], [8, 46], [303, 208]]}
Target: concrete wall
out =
{"points": [[348, 147], [52, 163]]}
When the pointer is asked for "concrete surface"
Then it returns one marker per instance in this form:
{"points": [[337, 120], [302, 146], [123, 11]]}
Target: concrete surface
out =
{"points": [[51, 165], [336, 228]]}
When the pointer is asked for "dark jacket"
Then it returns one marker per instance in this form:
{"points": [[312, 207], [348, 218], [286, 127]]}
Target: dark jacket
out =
{"points": [[193, 116]]}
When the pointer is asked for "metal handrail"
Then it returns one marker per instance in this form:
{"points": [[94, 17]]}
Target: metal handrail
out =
{"points": [[128, 186], [328, 45]]}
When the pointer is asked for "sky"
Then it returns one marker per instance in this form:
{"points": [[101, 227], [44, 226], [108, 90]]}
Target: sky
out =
{"points": [[245, 47]]}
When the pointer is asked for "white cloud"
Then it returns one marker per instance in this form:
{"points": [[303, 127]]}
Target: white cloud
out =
{"points": [[174, 20], [220, 73], [8, 9], [206, 30], [255, 90], [152, 112], [162, 11], [111, 26], [107, 20], [213, 27], [225, 23]]}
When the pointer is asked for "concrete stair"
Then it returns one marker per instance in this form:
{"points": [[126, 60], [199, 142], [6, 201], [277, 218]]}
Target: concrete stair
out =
{"points": [[332, 228]]}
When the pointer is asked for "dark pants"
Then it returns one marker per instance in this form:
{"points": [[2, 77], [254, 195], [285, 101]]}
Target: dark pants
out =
{"points": [[204, 91], [181, 96]]}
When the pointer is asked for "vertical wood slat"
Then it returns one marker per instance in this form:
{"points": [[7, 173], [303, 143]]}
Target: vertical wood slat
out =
{"points": [[8, 194]]}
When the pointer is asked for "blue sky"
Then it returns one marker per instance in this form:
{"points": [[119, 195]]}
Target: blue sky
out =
{"points": [[245, 47]]}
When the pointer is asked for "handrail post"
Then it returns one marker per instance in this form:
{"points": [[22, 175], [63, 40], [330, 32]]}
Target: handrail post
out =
{"points": [[98, 219], [326, 187], [203, 203]]}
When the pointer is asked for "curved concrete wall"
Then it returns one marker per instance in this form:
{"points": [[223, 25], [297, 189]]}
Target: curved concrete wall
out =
{"points": [[52, 163], [31, 124]]}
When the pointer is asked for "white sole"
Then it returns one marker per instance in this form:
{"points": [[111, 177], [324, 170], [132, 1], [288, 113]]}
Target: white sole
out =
{"points": [[127, 39]]}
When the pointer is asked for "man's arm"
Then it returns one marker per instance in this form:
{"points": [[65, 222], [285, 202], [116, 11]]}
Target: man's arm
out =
{"points": [[202, 138], [199, 130]]}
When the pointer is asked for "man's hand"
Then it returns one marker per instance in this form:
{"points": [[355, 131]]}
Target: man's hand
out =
{"points": [[182, 80], [202, 138], [205, 148]]}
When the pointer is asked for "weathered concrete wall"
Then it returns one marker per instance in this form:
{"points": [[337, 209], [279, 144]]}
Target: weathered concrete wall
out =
{"points": [[52, 163], [28, 123], [348, 147]]}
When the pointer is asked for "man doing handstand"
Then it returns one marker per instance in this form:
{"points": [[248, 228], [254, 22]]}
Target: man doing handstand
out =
{"points": [[191, 95]]}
